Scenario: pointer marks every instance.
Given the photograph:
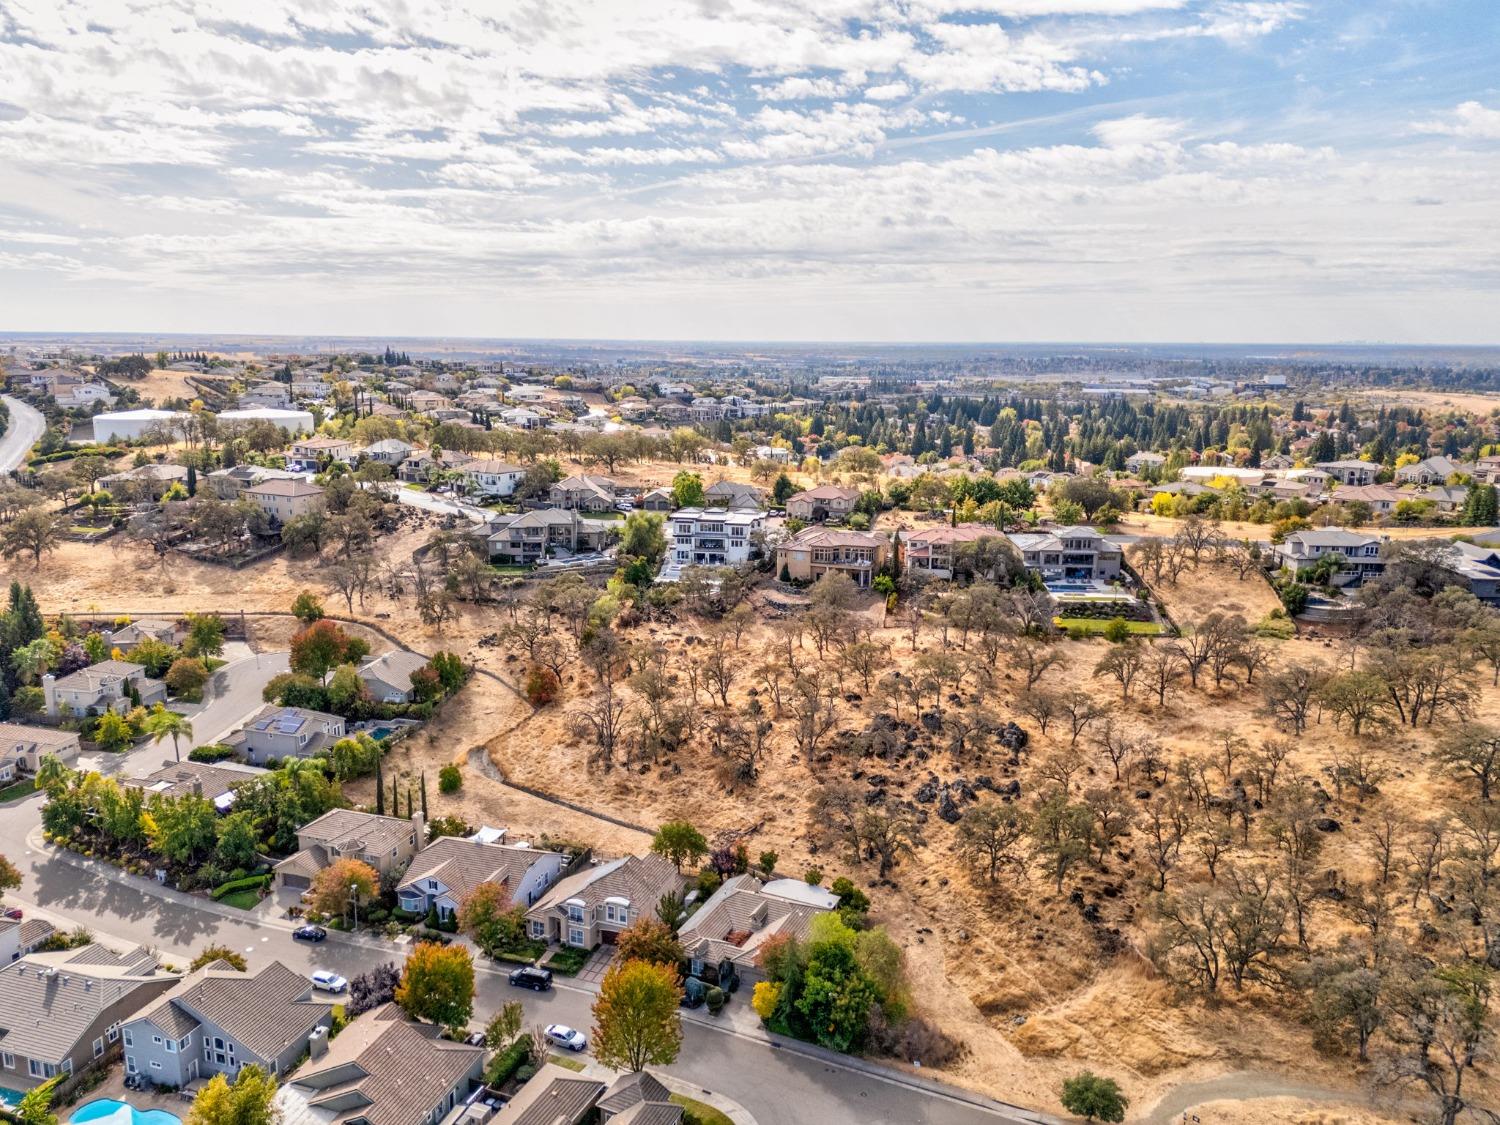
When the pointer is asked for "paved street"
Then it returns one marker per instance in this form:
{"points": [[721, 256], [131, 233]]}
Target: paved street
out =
{"points": [[26, 425]]}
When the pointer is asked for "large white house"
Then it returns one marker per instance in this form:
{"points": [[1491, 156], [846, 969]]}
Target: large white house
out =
{"points": [[713, 536]]}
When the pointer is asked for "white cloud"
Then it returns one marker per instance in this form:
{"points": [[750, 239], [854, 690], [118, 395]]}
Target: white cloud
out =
{"points": [[888, 92], [1137, 129], [1471, 120]]}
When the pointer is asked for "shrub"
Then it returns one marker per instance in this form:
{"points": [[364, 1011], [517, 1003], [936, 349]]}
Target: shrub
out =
{"points": [[766, 996], [1117, 631], [715, 998], [814, 876], [1092, 1097], [214, 752], [914, 1040], [450, 779], [541, 685], [253, 882], [506, 1063]]}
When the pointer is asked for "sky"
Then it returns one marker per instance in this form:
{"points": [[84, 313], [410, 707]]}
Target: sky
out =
{"points": [[881, 170]]}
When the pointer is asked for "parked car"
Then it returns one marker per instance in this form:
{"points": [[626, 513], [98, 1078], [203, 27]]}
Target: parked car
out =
{"points": [[564, 1036], [538, 979], [13, 913], [328, 982], [476, 1039], [309, 933]]}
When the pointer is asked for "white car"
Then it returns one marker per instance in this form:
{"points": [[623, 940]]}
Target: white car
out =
{"points": [[565, 1036], [328, 982]]}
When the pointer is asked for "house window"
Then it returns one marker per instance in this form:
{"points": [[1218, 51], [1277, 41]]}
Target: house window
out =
{"points": [[155, 1065], [98, 1047], [8, 1061], [575, 914], [538, 929], [156, 1039], [171, 1046], [129, 1064], [113, 1033], [67, 1066], [575, 935], [129, 1042]]}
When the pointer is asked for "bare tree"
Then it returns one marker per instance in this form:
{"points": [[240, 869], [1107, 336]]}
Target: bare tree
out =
{"points": [[1039, 705], [1081, 710], [1123, 663], [1289, 695], [991, 837]]}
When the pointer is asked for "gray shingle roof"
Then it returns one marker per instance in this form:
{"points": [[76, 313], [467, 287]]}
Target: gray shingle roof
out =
{"points": [[53, 1000], [554, 1096], [461, 865], [266, 1011]]}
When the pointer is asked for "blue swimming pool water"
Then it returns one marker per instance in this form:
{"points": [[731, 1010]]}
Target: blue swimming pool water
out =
{"points": [[380, 734], [121, 1113], [9, 1097]]}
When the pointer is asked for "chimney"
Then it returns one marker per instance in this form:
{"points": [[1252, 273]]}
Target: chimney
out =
{"points": [[317, 1043], [49, 690], [419, 822]]}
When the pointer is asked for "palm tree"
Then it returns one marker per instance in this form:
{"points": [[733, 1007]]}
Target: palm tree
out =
{"points": [[32, 661], [162, 723], [51, 771]]}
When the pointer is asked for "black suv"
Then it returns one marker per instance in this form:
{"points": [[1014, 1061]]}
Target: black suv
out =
{"points": [[538, 979]]}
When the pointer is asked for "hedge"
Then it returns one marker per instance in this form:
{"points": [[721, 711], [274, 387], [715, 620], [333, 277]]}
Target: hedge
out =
{"points": [[69, 454], [505, 1064], [250, 882], [214, 752]]}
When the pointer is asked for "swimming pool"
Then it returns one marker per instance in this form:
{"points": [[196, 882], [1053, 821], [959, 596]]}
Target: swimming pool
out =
{"points": [[10, 1098], [380, 734], [107, 1111]]}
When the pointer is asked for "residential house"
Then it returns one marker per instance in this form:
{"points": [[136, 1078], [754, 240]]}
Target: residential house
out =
{"points": [[390, 452], [445, 873], [214, 781], [743, 914], [383, 1069], [23, 748], [1143, 461], [146, 629], [1351, 472], [554, 1095], [1444, 497], [1431, 470], [388, 677], [19, 936], [384, 842], [1487, 469], [1381, 499], [1276, 461], [311, 453], [82, 396], [595, 904], [522, 418], [733, 494], [1069, 554], [153, 481], [109, 685], [826, 502], [1475, 567], [929, 552], [713, 536], [425, 402], [62, 1011], [816, 551], [315, 389], [218, 1019], [271, 394], [284, 500], [286, 732], [230, 484], [531, 536], [583, 493], [1359, 553], [639, 1099], [490, 478], [657, 500], [1203, 474]]}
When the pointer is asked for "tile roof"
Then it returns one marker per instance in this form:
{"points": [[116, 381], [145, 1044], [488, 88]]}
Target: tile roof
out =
{"points": [[554, 1096], [828, 537], [373, 833], [383, 1069], [267, 1011], [281, 486], [212, 780], [738, 918], [95, 676], [461, 865], [52, 1000], [640, 879], [632, 1089], [826, 492], [394, 668]]}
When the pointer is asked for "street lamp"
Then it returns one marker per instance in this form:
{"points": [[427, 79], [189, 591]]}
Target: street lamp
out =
{"points": [[354, 902]]}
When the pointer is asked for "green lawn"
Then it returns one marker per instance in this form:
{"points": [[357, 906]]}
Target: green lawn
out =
{"points": [[699, 1113], [1088, 626], [575, 1065], [242, 900], [17, 791], [510, 570], [567, 960]]}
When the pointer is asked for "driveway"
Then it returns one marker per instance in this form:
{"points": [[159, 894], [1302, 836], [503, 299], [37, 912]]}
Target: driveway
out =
{"points": [[26, 426], [441, 505]]}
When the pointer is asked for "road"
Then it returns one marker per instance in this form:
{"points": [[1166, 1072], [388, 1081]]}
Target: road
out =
{"points": [[442, 505], [26, 425]]}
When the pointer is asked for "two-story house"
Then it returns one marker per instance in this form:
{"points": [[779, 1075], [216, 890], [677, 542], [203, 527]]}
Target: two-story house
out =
{"points": [[929, 552], [391, 451], [22, 748], [487, 477], [383, 1069], [1069, 554], [531, 536], [1359, 554], [583, 493], [733, 494], [217, 1020], [1351, 472], [384, 842], [287, 732], [213, 781], [826, 502], [110, 685], [62, 1011], [713, 536], [445, 873], [816, 551], [285, 499], [743, 914], [595, 904], [277, 396], [310, 454]]}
